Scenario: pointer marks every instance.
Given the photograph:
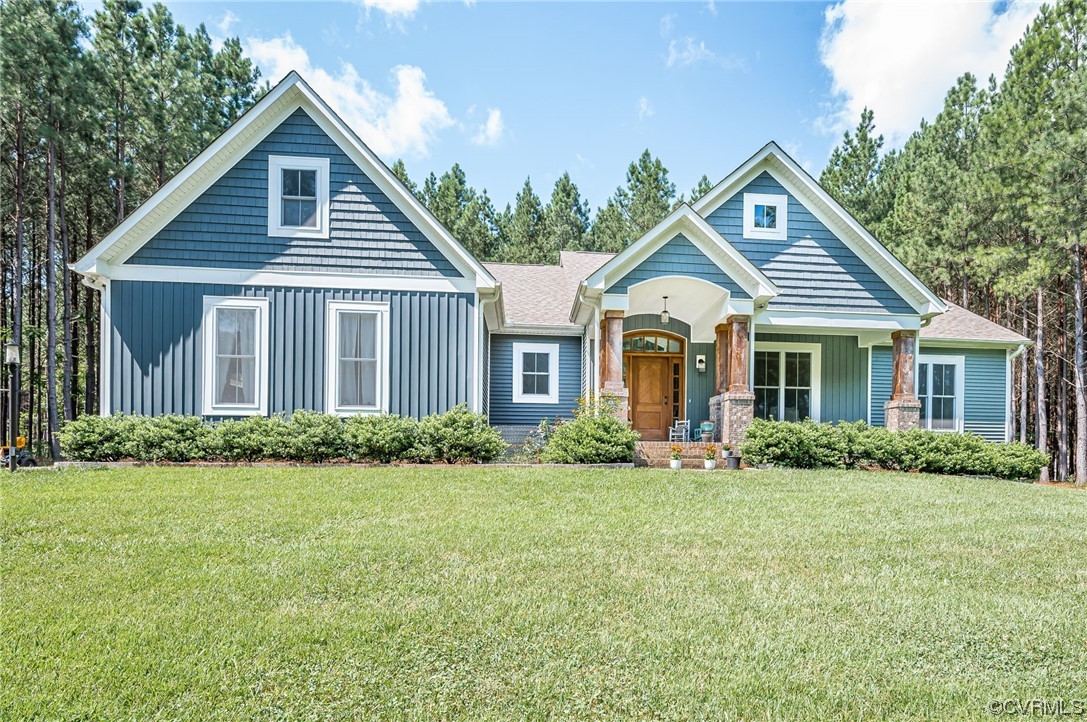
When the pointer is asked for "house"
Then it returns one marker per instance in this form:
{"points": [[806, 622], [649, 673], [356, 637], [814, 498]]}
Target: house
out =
{"points": [[287, 268]]}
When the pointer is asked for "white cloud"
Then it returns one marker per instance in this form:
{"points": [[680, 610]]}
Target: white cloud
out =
{"points": [[403, 123], [228, 21], [393, 9], [667, 24], [901, 57], [686, 51], [645, 110], [492, 130], [711, 6]]}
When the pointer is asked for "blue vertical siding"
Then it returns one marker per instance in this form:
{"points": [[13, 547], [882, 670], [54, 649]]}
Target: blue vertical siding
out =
{"points": [[813, 268], [157, 357], [227, 226], [678, 257], [985, 402], [485, 369], [843, 395], [502, 408]]}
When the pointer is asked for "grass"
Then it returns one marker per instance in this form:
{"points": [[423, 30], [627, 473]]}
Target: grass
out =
{"points": [[513, 593]]}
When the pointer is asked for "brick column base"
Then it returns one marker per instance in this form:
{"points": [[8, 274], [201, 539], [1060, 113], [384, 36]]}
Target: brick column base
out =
{"points": [[622, 398], [731, 413], [902, 414]]}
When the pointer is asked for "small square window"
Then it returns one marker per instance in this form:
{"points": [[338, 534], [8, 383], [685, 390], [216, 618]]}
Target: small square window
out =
{"points": [[298, 196], [766, 216]]}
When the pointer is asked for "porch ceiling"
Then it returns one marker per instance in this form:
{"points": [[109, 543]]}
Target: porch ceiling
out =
{"points": [[700, 303]]}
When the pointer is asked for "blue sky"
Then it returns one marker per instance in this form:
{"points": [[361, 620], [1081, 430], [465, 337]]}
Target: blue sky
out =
{"points": [[515, 89]]}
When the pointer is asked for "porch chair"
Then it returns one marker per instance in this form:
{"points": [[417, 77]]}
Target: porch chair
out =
{"points": [[680, 431]]}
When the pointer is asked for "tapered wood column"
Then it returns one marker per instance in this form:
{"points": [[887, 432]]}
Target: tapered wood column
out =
{"points": [[724, 332], [903, 410], [739, 354], [611, 363]]}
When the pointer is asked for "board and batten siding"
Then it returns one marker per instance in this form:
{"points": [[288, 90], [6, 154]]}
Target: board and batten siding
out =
{"points": [[985, 402], [502, 410], [227, 226], [843, 394], [700, 385], [156, 360], [814, 269], [678, 257]]}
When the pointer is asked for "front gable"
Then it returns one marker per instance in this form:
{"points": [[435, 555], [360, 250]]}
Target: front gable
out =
{"points": [[678, 257], [812, 266], [227, 225]]}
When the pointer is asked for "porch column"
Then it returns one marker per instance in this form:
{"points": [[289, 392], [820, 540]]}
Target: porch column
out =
{"points": [[611, 362], [734, 407], [903, 410]]}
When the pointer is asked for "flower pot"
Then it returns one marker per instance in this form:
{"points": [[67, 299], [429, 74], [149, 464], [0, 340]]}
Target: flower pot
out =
{"points": [[711, 463], [707, 437], [675, 463], [732, 462]]}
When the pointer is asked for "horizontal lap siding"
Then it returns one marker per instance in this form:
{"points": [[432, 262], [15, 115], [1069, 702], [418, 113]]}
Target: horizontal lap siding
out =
{"points": [[985, 403], [501, 406], [843, 394], [227, 226], [157, 356], [813, 268], [678, 257]]}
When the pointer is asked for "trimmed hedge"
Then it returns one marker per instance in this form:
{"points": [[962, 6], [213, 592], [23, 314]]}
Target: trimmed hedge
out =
{"points": [[593, 436], [457, 436], [811, 445]]}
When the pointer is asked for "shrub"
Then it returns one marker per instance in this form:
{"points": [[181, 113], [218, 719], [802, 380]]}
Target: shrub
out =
{"points": [[99, 438], [531, 451], [456, 436], [593, 436], [169, 438], [380, 437], [314, 437], [250, 439], [809, 445]]}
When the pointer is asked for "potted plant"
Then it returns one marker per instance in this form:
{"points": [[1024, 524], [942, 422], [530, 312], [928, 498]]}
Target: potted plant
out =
{"points": [[675, 457], [711, 457], [707, 432], [732, 461]]}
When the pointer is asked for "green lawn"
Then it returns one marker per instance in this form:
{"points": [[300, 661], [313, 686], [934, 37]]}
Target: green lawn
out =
{"points": [[513, 593]]}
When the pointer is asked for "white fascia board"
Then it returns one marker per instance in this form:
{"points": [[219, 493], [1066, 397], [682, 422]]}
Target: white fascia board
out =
{"points": [[703, 236], [615, 302], [971, 343], [525, 329], [798, 182], [841, 322], [299, 279], [189, 182]]}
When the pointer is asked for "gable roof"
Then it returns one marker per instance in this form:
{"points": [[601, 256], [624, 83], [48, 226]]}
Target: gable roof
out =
{"points": [[815, 198], [718, 250], [539, 295], [959, 324], [210, 164]]}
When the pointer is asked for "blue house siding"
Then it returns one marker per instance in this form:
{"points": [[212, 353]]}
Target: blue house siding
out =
{"points": [[678, 257], [503, 410], [843, 372], [985, 377], [814, 269], [156, 344], [227, 226]]}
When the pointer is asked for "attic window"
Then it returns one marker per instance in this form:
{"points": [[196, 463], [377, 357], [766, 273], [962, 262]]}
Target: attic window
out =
{"points": [[297, 197], [766, 216]]}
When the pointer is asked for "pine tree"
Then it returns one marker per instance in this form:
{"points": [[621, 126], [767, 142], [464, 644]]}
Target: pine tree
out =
{"points": [[850, 175], [400, 171], [648, 195], [526, 242], [566, 218], [701, 188]]}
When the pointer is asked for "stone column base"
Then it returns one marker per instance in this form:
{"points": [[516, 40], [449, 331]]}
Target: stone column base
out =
{"points": [[621, 396], [902, 414], [732, 412]]}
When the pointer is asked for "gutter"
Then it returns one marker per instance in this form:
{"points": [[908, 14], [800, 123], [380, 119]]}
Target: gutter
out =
{"points": [[1019, 351]]}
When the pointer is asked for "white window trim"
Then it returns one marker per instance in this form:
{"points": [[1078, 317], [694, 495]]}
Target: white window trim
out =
{"points": [[381, 351], [764, 199], [816, 351], [959, 362], [552, 350], [260, 408], [278, 163]]}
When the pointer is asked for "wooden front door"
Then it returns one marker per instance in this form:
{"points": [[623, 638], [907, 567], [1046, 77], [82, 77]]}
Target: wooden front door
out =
{"points": [[650, 395]]}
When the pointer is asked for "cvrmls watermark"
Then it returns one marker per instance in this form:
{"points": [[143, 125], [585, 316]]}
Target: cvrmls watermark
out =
{"points": [[1039, 707]]}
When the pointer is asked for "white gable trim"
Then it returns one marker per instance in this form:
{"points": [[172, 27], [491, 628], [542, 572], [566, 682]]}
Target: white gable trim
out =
{"points": [[798, 182], [684, 220], [215, 160]]}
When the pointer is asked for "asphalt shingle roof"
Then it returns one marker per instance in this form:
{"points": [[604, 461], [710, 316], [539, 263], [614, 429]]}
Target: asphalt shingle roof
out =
{"points": [[959, 324]]}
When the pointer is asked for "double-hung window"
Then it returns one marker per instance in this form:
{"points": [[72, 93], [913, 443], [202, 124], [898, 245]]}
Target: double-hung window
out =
{"points": [[358, 347], [940, 389], [535, 373], [297, 196], [235, 341], [787, 381]]}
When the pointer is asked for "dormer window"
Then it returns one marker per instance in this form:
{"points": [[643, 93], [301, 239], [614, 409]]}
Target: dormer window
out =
{"points": [[297, 197], [766, 216]]}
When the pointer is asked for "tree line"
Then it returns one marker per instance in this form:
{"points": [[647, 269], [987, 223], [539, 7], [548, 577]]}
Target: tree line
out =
{"points": [[986, 203]]}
